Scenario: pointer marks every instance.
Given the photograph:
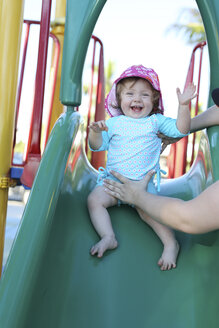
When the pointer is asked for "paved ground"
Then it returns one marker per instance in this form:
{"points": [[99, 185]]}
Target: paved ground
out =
{"points": [[14, 214]]}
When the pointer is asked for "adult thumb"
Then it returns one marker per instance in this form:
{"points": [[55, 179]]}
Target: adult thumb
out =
{"points": [[148, 177]]}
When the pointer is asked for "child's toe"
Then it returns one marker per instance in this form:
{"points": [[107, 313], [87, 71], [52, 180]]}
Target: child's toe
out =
{"points": [[160, 262], [93, 250], [100, 254]]}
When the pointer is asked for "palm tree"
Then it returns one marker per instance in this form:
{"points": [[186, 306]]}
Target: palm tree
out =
{"points": [[189, 23]]}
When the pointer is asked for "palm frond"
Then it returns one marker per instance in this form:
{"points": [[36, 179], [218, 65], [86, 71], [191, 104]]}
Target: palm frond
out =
{"points": [[189, 25]]}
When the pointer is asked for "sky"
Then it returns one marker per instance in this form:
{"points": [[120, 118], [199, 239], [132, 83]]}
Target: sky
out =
{"points": [[135, 32]]}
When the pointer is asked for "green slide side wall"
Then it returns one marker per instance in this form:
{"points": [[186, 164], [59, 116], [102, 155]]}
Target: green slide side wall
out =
{"points": [[18, 282], [209, 10], [81, 17], [51, 280]]}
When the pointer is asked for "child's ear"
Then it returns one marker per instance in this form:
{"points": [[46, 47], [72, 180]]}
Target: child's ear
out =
{"points": [[215, 96]]}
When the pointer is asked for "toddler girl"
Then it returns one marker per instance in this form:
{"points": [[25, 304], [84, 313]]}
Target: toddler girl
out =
{"points": [[130, 137]]}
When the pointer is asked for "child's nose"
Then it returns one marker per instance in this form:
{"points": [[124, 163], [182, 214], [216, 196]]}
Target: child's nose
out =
{"points": [[137, 97]]}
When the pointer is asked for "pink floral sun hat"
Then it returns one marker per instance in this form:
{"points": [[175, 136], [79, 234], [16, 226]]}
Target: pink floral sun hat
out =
{"points": [[134, 71]]}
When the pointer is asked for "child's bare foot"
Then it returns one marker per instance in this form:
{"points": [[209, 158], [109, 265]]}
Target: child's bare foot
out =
{"points": [[169, 256], [107, 242]]}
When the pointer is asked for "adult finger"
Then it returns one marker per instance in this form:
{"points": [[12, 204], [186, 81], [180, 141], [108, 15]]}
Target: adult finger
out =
{"points": [[148, 177], [160, 135], [112, 185], [163, 147], [119, 176], [113, 193], [113, 188]]}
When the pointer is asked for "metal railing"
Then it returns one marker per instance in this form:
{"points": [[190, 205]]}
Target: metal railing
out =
{"points": [[177, 159]]}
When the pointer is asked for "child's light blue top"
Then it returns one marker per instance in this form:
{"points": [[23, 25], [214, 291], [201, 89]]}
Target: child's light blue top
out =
{"points": [[133, 145]]}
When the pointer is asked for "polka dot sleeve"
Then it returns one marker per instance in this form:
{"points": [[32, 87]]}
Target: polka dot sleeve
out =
{"points": [[167, 126]]}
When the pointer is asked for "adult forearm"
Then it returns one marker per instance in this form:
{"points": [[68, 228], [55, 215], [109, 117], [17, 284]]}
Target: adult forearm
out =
{"points": [[163, 209], [206, 119]]}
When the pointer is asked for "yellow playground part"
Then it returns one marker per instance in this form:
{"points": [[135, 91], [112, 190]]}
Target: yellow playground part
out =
{"points": [[11, 26]]}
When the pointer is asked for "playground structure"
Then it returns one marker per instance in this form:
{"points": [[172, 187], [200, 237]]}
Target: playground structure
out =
{"points": [[50, 279]]}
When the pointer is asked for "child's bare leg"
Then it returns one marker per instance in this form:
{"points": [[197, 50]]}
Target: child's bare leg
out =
{"points": [[98, 202], [166, 235]]}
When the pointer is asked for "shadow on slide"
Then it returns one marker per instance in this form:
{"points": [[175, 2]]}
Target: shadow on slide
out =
{"points": [[51, 281]]}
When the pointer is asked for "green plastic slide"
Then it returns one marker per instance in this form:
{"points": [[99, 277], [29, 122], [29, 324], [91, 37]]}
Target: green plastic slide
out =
{"points": [[51, 280]]}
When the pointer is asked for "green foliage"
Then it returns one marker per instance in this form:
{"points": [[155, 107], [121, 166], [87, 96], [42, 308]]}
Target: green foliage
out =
{"points": [[190, 26], [86, 89], [19, 148], [109, 72]]}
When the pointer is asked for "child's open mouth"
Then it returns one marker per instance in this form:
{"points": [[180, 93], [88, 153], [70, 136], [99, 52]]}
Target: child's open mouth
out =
{"points": [[136, 109]]}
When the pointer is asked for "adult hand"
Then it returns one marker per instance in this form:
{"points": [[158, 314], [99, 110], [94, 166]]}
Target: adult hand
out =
{"points": [[166, 141], [128, 190]]}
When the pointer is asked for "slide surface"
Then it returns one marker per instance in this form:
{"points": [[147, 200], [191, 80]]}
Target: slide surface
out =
{"points": [[51, 280]]}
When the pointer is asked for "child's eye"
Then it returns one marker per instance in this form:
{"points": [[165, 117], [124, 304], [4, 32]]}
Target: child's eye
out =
{"points": [[129, 93], [145, 95]]}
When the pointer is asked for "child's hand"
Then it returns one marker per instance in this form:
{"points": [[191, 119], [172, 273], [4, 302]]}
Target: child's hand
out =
{"points": [[187, 95], [98, 126]]}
